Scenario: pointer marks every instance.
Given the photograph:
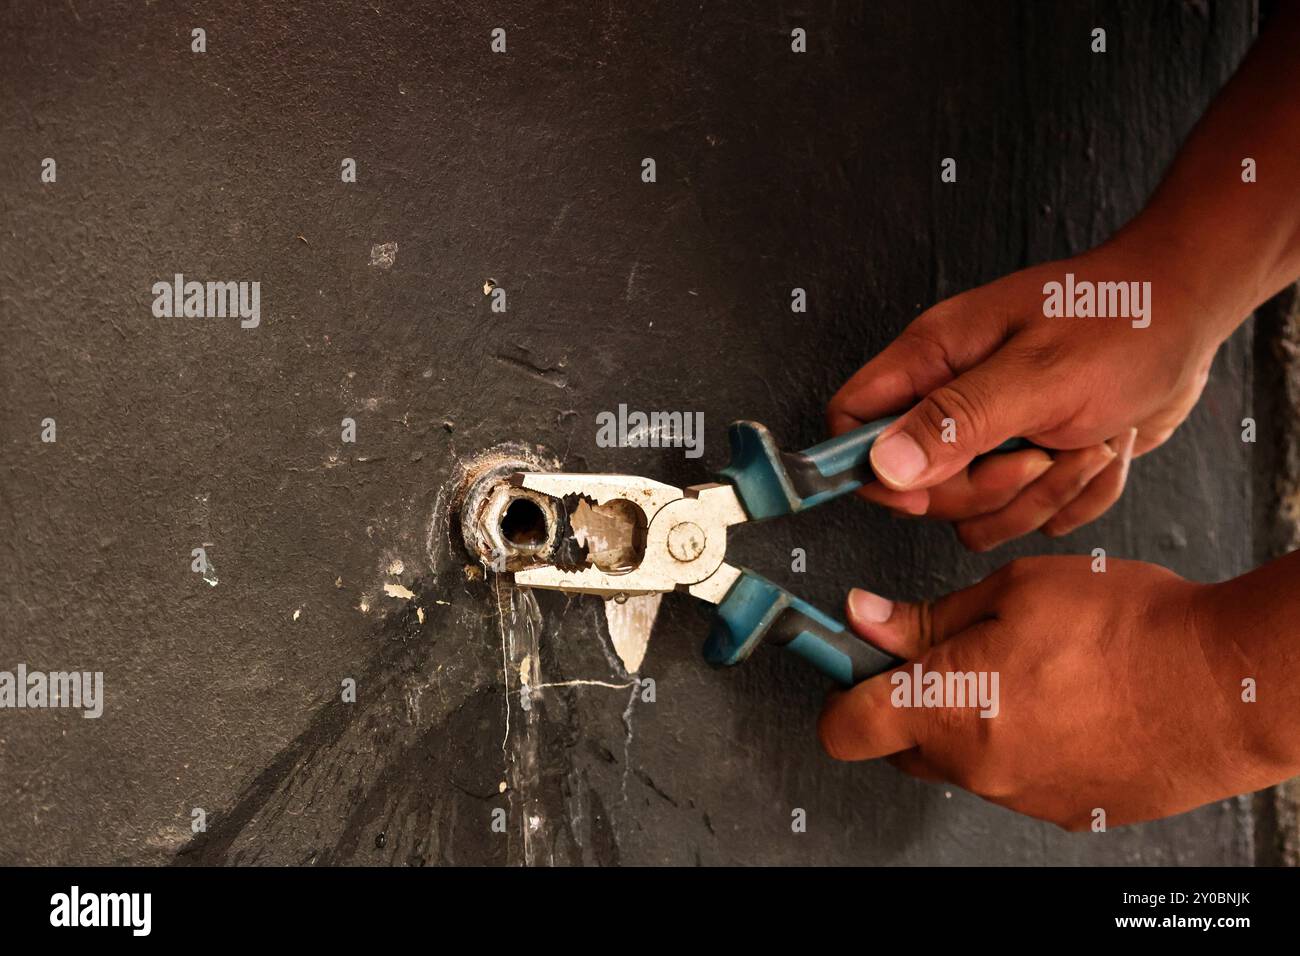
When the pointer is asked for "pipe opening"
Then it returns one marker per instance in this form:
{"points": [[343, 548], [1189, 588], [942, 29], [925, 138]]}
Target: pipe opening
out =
{"points": [[524, 524], [506, 527]]}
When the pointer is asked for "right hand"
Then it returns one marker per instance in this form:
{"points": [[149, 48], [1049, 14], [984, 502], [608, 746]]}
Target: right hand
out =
{"points": [[1097, 390]]}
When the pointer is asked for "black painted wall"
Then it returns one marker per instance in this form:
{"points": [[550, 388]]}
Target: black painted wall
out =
{"points": [[775, 170]]}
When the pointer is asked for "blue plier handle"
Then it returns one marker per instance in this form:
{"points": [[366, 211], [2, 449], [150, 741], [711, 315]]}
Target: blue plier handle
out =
{"points": [[769, 483]]}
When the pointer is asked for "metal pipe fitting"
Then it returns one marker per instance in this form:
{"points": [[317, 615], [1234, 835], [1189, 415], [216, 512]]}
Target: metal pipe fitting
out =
{"points": [[506, 527]]}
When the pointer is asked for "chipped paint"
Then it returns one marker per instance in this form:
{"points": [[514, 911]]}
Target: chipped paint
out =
{"points": [[383, 255], [398, 591]]}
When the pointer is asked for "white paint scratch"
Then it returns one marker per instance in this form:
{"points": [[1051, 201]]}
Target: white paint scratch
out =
{"points": [[585, 683], [383, 255]]}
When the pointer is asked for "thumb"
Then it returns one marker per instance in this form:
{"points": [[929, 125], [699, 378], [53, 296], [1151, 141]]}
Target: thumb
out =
{"points": [[909, 630], [972, 414]]}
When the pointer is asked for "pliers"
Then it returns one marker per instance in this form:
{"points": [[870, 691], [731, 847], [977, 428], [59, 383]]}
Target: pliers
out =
{"points": [[682, 541]]}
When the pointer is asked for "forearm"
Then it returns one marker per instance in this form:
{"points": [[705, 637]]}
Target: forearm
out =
{"points": [[1250, 633], [1235, 243]]}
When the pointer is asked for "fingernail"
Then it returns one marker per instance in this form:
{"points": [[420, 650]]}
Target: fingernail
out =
{"points": [[898, 459], [915, 506], [1100, 466], [1037, 469], [1123, 444], [869, 607]]}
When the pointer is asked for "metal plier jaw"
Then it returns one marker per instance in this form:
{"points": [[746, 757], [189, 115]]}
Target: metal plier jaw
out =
{"points": [[685, 536], [686, 544]]}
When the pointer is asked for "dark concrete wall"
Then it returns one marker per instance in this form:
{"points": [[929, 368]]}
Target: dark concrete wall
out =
{"points": [[775, 170]]}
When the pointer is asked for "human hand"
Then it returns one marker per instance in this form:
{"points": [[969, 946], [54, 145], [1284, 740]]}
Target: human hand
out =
{"points": [[1118, 691], [989, 364]]}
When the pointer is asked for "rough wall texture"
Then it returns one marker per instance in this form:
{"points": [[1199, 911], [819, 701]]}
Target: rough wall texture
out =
{"points": [[1277, 494], [774, 170]]}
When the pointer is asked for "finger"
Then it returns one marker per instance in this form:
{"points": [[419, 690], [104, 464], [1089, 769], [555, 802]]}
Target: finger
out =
{"points": [[861, 723], [908, 630], [909, 367], [1033, 507], [984, 487], [911, 762], [1102, 492], [932, 350], [911, 503], [997, 399], [988, 485]]}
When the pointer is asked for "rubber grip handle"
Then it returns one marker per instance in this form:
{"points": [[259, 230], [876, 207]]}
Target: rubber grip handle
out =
{"points": [[772, 482], [757, 611]]}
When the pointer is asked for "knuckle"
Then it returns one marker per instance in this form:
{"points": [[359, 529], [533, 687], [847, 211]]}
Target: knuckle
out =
{"points": [[928, 360], [939, 727], [935, 323], [1048, 496], [926, 343], [961, 403]]}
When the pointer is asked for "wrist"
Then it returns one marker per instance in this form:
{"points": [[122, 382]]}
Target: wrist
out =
{"points": [[1201, 289], [1239, 627], [1190, 313]]}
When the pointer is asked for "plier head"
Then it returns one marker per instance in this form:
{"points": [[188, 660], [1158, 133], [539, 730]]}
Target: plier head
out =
{"points": [[668, 538]]}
